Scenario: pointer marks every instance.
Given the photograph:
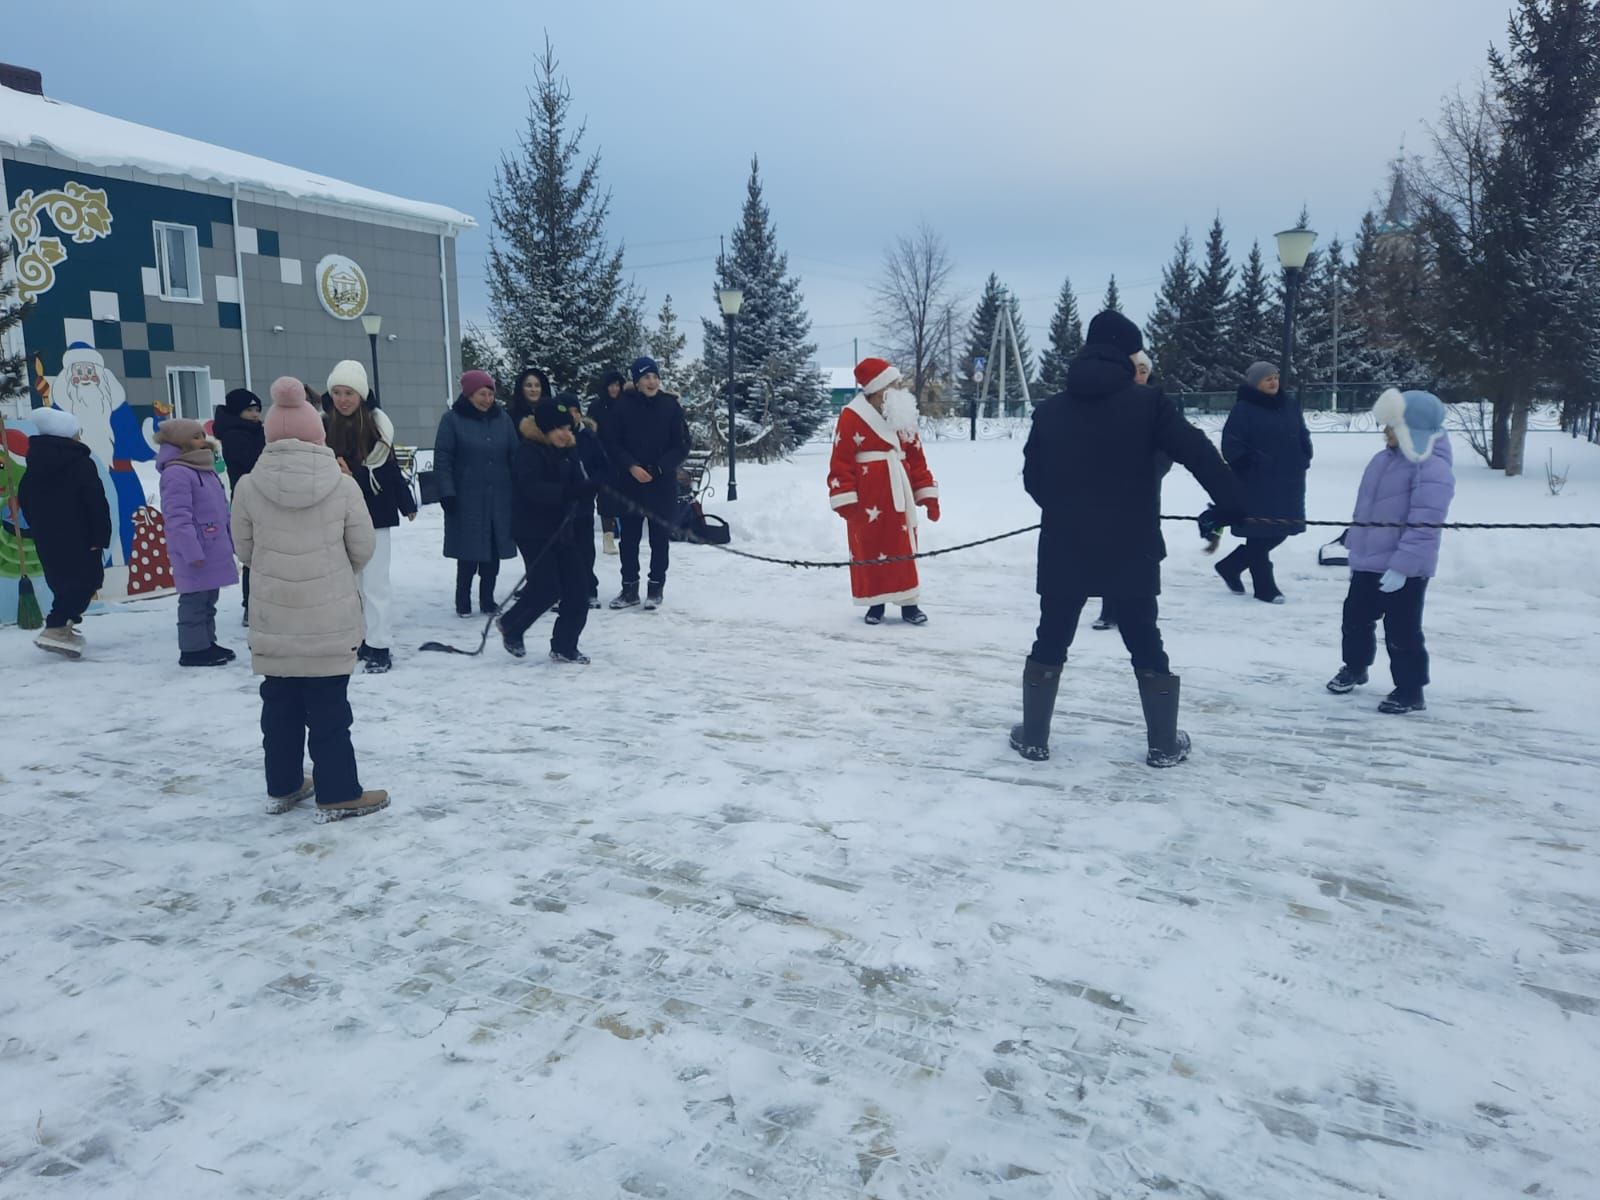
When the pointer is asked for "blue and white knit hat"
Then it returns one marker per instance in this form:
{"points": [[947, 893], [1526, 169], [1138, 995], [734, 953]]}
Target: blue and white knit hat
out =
{"points": [[1417, 419]]}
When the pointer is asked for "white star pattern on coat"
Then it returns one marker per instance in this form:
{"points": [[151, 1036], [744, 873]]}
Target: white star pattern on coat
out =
{"points": [[859, 438], [873, 514], [833, 483], [881, 557]]}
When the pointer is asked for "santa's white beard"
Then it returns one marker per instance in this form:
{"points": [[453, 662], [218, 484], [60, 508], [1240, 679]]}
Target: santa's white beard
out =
{"points": [[92, 406], [900, 410]]}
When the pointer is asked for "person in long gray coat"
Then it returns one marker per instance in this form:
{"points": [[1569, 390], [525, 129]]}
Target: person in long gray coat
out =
{"points": [[472, 454]]}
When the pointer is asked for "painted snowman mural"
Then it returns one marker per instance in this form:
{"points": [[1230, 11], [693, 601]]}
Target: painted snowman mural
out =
{"points": [[117, 438]]}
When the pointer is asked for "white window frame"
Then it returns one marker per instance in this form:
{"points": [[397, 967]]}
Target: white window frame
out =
{"points": [[191, 242], [202, 392]]}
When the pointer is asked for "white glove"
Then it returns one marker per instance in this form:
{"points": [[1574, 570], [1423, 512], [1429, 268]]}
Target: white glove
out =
{"points": [[1392, 581]]}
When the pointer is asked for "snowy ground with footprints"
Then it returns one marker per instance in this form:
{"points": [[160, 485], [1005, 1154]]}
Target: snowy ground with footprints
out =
{"points": [[761, 905]]}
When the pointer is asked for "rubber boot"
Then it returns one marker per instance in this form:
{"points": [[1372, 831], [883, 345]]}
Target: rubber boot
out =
{"points": [[1031, 739], [1158, 693]]}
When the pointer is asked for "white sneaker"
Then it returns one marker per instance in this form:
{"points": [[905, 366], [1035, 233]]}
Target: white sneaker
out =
{"points": [[61, 641]]}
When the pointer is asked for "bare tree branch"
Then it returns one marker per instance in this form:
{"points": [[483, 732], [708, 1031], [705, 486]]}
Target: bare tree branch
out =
{"points": [[909, 301]]}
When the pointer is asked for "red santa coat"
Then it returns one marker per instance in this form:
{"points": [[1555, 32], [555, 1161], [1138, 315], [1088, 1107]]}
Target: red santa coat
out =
{"points": [[876, 478]]}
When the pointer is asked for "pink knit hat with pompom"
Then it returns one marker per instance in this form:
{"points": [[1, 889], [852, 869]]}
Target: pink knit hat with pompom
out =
{"points": [[291, 414]]}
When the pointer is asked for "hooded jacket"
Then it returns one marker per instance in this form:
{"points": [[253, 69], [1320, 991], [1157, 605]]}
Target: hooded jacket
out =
{"points": [[194, 509], [518, 405], [554, 484], [1266, 442], [300, 525], [1399, 488], [1090, 464], [63, 501]]}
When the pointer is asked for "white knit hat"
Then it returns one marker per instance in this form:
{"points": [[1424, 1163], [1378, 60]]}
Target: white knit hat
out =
{"points": [[350, 374]]}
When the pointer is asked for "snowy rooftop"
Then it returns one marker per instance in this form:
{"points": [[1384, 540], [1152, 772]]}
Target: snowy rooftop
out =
{"points": [[839, 378], [29, 121]]}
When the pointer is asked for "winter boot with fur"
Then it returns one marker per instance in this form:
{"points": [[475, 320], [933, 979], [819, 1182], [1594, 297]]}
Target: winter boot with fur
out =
{"points": [[628, 597], [282, 804], [1031, 739], [1158, 693], [655, 590], [363, 805]]}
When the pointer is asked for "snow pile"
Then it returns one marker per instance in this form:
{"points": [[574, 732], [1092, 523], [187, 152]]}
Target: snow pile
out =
{"points": [[761, 904], [28, 121]]}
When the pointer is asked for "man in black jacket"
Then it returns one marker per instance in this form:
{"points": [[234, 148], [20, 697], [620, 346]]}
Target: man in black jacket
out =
{"points": [[646, 439], [237, 426], [65, 505], [1090, 465]]}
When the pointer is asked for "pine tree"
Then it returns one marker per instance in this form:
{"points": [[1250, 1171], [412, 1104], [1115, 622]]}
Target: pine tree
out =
{"points": [[1209, 327], [1251, 333], [1113, 298], [1170, 332], [13, 367], [666, 343], [479, 352], [1066, 339], [980, 335], [556, 292], [779, 393]]}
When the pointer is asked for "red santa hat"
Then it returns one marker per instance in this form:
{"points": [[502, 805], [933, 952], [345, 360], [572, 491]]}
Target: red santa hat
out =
{"points": [[875, 374]]}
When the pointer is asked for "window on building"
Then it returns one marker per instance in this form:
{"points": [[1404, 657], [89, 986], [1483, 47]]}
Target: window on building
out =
{"points": [[189, 392], [178, 261]]}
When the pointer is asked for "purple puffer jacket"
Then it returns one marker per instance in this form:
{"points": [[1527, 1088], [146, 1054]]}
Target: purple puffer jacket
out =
{"points": [[195, 509], [1396, 489]]}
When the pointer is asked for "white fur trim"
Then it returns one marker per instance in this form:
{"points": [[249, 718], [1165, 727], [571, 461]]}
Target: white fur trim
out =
{"points": [[901, 598], [927, 493], [883, 379], [377, 455], [1390, 410], [844, 500], [874, 420]]}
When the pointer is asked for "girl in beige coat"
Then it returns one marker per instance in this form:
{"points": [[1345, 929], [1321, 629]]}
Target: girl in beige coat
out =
{"points": [[301, 526]]}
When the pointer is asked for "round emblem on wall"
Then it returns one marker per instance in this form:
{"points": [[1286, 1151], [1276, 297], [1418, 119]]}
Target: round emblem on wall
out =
{"points": [[342, 287]]}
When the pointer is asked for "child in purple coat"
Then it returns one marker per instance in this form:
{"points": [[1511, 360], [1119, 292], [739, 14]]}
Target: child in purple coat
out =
{"points": [[199, 542], [1410, 483]]}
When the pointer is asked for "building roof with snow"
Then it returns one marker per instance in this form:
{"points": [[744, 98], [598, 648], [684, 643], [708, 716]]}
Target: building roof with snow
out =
{"points": [[31, 121], [840, 379]]}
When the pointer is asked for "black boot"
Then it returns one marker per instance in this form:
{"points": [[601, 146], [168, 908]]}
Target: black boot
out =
{"points": [[463, 589], [1266, 583], [1231, 568], [628, 597], [379, 662], [1158, 693], [912, 615], [654, 593], [874, 615], [486, 583], [1031, 739]]}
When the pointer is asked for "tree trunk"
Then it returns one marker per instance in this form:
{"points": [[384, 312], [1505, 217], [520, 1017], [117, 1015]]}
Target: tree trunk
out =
{"points": [[1502, 432], [1518, 435]]}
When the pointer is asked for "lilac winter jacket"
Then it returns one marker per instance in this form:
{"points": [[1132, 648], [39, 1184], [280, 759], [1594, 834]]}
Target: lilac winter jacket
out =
{"points": [[1396, 489], [195, 509]]}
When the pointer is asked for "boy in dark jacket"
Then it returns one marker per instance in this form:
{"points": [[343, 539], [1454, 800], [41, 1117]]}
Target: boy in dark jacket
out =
{"points": [[65, 506], [555, 484], [237, 425], [647, 440]]}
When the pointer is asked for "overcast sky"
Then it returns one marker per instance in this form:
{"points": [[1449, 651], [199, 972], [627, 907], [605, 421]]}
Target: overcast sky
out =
{"points": [[1042, 139]]}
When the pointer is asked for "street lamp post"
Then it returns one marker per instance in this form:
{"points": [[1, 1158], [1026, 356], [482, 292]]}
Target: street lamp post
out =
{"points": [[373, 323], [732, 300], [1294, 247]]}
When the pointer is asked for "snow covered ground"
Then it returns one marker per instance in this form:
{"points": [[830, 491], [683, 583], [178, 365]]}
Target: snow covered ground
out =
{"points": [[761, 904]]}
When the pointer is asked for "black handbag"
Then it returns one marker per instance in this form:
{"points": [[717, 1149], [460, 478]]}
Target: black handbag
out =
{"points": [[428, 487], [713, 531]]}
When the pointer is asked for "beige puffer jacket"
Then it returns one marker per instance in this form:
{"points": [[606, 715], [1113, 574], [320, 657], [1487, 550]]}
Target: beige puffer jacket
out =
{"points": [[301, 526]]}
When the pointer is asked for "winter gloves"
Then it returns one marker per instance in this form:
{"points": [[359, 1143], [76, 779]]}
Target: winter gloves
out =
{"points": [[1392, 581], [932, 505]]}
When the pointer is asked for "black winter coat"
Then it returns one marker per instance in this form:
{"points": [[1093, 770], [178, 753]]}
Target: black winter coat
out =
{"points": [[1266, 442], [554, 485], [386, 492], [1091, 465], [63, 501], [649, 433], [242, 443]]}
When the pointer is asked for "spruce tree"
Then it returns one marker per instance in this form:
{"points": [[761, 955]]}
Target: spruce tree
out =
{"points": [[1066, 339], [556, 292], [774, 373], [1112, 302], [1170, 332], [13, 367], [1251, 333], [480, 353], [1208, 323], [980, 335], [666, 343]]}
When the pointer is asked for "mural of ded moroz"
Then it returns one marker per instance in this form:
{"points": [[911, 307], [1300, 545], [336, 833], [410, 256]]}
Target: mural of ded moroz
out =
{"points": [[164, 272]]}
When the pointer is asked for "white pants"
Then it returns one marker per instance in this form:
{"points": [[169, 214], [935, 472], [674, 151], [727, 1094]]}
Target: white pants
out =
{"points": [[377, 595]]}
